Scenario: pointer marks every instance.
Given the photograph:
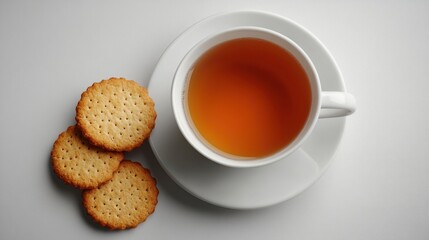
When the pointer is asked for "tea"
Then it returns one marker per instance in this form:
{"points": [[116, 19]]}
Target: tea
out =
{"points": [[248, 97]]}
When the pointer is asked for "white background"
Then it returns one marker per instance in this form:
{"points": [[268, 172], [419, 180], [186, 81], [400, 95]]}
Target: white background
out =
{"points": [[376, 188]]}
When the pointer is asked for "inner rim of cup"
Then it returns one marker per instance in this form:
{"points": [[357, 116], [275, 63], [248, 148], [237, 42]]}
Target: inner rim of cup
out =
{"points": [[182, 78]]}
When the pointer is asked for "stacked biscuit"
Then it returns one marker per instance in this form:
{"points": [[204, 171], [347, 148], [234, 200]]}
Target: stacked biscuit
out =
{"points": [[113, 116]]}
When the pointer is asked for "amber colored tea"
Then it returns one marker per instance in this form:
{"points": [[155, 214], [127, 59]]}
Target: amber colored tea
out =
{"points": [[248, 97]]}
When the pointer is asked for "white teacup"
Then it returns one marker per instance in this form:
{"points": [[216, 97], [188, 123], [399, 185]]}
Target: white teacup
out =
{"points": [[323, 104]]}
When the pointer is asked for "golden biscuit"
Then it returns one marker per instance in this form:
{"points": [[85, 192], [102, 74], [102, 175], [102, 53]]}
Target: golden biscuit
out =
{"points": [[80, 164], [124, 201], [116, 114]]}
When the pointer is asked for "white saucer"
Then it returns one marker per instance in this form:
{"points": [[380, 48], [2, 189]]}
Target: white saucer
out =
{"points": [[242, 188]]}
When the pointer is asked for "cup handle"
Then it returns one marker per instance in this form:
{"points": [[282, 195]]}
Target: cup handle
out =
{"points": [[337, 104]]}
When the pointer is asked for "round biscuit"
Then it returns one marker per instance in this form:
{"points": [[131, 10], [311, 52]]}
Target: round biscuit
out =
{"points": [[116, 114], [80, 164], [124, 201]]}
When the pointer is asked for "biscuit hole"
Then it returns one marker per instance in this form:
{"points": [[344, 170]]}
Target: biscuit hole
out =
{"points": [[104, 163], [117, 205], [145, 103], [98, 170], [119, 199]]}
